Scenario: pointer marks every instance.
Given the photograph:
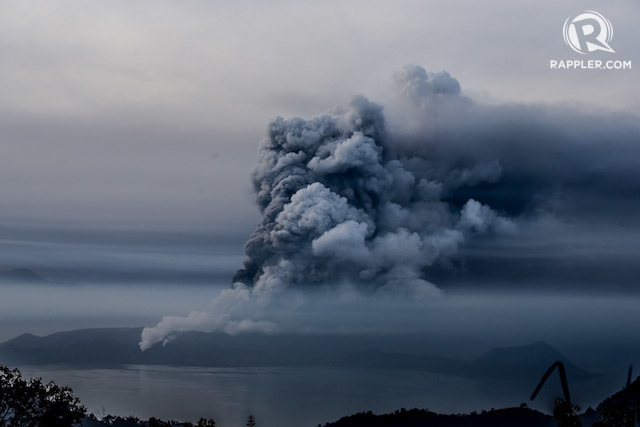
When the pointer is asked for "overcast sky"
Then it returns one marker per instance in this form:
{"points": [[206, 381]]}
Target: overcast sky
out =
{"points": [[146, 115], [139, 122]]}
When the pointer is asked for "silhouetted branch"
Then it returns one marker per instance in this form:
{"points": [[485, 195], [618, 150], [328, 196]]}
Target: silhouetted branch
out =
{"points": [[626, 389], [563, 379]]}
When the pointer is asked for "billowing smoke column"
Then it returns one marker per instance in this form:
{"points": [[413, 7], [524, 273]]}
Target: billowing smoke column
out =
{"points": [[348, 200], [339, 205]]}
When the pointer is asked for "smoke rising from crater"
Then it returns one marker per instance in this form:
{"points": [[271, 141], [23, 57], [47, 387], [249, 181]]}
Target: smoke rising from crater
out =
{"points": [[376, 200], [339, 204]]}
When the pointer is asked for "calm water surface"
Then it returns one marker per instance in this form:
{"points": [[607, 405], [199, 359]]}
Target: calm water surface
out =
{"points": [[293, 397]]}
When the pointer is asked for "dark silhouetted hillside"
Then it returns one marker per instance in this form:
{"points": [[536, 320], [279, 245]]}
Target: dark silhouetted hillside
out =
{"points": [[631, 395], [510, 417]]}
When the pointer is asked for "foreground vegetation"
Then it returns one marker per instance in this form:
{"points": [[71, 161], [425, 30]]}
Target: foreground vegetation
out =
{"points": [[33, 403]]}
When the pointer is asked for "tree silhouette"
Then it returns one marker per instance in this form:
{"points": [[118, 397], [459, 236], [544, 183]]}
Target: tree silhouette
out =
{"points": [[32, 403], [565, 414], [620, 414], [251, 421], [203, 422]]}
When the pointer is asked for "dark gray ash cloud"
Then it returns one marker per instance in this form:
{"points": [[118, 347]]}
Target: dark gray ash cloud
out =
{"points": [[515, 155], [344, 197], [398, 202], [568, 178], [340, 204]]}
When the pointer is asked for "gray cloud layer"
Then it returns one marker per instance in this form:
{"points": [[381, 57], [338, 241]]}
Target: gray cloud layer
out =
{"points": [[111, 112], [568, 178]]}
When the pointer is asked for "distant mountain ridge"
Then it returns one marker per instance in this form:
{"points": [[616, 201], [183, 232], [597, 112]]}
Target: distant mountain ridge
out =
{"points": [[521, 361], [119, 346]]}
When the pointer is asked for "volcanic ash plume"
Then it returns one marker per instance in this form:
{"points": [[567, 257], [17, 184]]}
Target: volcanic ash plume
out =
{"points": [[339, 205], [347, 200]]}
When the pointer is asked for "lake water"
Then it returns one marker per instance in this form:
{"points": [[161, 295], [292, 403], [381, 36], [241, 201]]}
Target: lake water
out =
{"points": [[294, 397]]}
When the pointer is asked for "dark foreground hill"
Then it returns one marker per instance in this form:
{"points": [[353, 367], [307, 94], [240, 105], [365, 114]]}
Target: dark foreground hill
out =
{"points": [[620, 409], [509, 417], [119, 346]]}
